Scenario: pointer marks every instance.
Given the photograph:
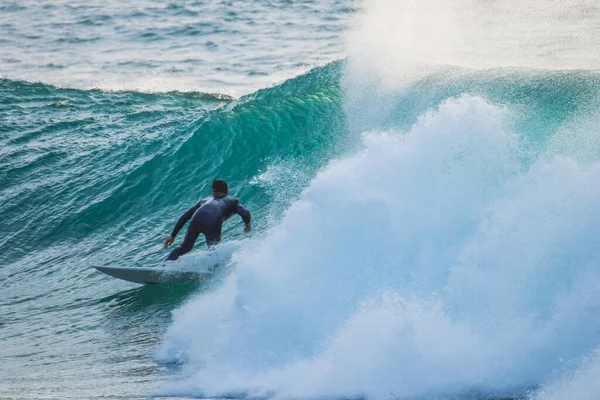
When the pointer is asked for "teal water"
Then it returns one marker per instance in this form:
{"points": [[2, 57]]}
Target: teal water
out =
{"points": [[419, 233], [93, 177], [93, 171]]}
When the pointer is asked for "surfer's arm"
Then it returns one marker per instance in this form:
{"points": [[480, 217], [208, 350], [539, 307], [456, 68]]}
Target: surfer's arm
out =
{"points": [[245, 214], [185, 218]]}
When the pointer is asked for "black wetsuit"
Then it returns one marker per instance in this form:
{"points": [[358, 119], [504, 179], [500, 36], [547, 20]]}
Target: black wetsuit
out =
{"points": [[207, 218]]}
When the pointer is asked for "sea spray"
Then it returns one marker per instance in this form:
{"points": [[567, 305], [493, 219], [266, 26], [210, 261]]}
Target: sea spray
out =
{"points": [[399, 50], [217, 256], [434, 262]]}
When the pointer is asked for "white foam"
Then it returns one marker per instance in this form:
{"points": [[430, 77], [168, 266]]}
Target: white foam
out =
{"points": [[205, 260], [434, 262], [581, 383]]}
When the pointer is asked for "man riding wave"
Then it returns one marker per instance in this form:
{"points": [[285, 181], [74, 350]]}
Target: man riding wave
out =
{"points": [[207, 217]]}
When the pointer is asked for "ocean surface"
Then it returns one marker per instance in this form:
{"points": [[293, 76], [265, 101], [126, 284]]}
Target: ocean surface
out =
{"points": [[423, 178]]}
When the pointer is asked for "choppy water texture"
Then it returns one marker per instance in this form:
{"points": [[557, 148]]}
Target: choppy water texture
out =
{"points": [[232, 47], [425, 221]]}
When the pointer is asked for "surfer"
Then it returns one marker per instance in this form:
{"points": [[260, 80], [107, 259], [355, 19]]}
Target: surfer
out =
{"points": [[207, 218]]}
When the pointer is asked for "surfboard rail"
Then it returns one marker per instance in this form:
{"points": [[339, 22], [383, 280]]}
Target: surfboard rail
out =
{"points": [[151, 275]]}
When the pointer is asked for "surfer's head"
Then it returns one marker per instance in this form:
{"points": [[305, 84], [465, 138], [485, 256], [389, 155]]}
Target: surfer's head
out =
{"points": [[220, 187]]}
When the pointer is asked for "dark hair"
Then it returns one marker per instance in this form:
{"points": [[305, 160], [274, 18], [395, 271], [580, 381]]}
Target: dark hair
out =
{"points": [[219, 186]]}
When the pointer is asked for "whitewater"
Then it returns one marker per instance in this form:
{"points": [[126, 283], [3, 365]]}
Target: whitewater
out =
{"points": [[447, 262], [424, 197]]}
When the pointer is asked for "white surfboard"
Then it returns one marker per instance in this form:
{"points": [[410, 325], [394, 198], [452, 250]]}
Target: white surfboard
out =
{"points": [[197, 266], [153, 275]]}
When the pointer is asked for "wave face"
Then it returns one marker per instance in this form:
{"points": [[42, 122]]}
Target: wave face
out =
{"points": [[454, 255], [90, 172], [99, 178]]}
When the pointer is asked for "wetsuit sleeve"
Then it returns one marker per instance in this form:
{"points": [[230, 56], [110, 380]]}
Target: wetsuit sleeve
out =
{"points": [[245, 214], [185, 218]]}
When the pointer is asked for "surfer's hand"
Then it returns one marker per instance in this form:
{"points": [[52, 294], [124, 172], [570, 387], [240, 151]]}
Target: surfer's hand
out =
{"points": [[247, 228], [169, 241]]}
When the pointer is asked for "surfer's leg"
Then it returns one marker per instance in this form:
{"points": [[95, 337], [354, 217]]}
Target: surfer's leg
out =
{"points": [[188, 243], [213, 237]]}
